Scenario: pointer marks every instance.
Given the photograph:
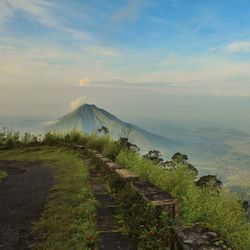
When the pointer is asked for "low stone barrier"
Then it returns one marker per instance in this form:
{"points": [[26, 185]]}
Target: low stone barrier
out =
{"points": [[149, 192], [197, 237], [189, 237]]}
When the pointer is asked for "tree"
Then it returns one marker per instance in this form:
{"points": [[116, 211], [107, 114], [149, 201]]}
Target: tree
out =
{"points": [[245, 205], [124, 143], [155, 156], [103, 130], [209, 181], [180, 160], [126, 130]]}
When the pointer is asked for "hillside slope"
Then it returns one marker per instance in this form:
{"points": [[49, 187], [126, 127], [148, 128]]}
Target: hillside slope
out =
{"points": [[88, 118]]}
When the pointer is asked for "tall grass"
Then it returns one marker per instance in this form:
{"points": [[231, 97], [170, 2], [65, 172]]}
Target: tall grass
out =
{"points": [[104, 143], [222, 211]]}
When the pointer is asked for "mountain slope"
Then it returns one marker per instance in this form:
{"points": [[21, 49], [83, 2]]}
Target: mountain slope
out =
{"points": [[88, 118]]}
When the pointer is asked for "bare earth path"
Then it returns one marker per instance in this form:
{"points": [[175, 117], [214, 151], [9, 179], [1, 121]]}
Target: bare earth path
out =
{"points": [[109, 235], [22, 198]]}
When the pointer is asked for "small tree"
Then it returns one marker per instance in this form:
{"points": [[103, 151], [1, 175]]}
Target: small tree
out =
{"points": [[180, 160], [209, 181], [103, 130], [245, 205], [124, 143], [155, 156], [126, 130]]}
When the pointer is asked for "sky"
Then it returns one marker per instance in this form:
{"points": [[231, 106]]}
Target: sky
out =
{"points": [[120, 54]]}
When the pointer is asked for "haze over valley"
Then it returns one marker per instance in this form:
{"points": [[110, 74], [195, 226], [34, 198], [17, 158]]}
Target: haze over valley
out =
{"points": [[212, 144]]}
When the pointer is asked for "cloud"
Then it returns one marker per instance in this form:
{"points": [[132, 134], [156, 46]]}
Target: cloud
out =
{"points": [[84, 82], [235, 47], [10, 69], [129, 12], [103, 51], [77, 103], [35, 8], [43, 11]]}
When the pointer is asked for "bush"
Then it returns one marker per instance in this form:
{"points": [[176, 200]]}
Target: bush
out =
{"points": [[221, 211], [8, 138]]}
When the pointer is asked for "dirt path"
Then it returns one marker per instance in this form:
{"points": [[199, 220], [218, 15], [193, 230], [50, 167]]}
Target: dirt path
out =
{"points": [[22, 197], [109, 235]]}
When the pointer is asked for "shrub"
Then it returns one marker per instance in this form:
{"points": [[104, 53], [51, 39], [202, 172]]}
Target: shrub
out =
{"points": [[221, 211]]}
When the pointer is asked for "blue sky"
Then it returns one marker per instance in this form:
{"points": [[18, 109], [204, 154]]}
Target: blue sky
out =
{"points": [[73, 51]]}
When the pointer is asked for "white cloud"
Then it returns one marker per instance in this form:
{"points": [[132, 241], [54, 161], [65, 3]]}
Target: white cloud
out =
{"points": [[35, 8], [235, 47], [84, 82], [77, 103], [43, 13], [238, 47]]}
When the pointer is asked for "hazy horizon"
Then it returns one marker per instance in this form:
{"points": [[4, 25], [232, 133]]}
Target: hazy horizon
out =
{"points": [[123, 54], [178, 68], [189, 111]]}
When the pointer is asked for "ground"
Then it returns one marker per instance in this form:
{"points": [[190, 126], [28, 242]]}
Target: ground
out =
{"points": [[46, 193], [23, 195]]}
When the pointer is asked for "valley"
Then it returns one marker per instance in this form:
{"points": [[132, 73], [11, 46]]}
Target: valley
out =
{"points": [[212, 149]]}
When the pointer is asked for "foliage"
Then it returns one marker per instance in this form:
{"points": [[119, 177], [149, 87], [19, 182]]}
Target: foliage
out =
{"points": [[175, 180], [126, 131], [145, 222], [3, 174], [8, 138], [68, 219], [124, 144], [181, 160], [222, 212], [209, 181], [245, 205], [103, 130], [178, 160], [155, 156]]}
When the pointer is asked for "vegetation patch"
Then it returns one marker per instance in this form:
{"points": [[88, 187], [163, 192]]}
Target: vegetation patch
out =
{"points": [[3, 174], [200, 201], [221, 211], [69, 216], [149, 225]]}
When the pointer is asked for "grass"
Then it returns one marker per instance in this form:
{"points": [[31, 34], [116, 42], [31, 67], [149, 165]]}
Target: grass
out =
{"points": [[221, 212], [68, 219], [3, 174]]}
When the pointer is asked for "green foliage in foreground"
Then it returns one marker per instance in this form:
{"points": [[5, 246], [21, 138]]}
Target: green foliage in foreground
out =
{"points": [[68, 219], [222, 212], [10, 139], [3, 174]]}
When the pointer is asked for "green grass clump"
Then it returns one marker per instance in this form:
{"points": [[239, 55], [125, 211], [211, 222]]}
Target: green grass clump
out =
{"points": [[176, 181], [221, 211], [68, 220], [3, 174]]}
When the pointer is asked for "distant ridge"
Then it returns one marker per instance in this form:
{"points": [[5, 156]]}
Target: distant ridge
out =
{"points": [[88, 118]]}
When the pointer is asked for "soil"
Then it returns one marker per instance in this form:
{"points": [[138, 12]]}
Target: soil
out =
{"points": [[109, 235], [23, 195]]}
